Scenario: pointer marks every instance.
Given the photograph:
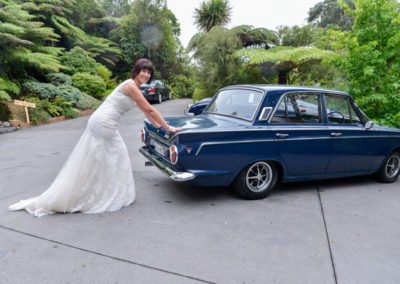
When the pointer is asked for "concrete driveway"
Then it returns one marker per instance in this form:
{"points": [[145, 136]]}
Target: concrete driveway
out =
{"points": [[341, 231]]}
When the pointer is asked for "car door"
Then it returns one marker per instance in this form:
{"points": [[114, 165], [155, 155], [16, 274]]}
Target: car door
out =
{"points": [[354, 148], [301, 137]]}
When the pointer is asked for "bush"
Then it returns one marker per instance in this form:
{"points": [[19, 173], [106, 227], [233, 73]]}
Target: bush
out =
{"points": [[59, 79], [7, 89], [90, 84], [87, 102], [72, 113], [200, 94], [77, 60], [49, 91], [182, 86], [5, 112], [39, 114]]}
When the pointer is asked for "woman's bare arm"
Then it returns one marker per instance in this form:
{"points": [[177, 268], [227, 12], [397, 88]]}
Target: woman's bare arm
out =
{"points": [[154, 116]]}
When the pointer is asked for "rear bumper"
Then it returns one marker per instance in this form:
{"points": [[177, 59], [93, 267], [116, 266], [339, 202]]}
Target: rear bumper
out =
{"points": [[174, 175]]}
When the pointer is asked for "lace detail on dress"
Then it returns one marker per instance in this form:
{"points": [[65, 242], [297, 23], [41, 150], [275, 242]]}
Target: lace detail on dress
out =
{"points": [[97, 176]]}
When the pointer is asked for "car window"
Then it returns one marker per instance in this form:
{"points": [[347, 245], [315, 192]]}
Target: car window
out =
{"points": [[239, 103], [340, 110], [298, 108]]}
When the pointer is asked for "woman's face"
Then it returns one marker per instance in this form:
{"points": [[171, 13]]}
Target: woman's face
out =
{"points": [[143, 76]]}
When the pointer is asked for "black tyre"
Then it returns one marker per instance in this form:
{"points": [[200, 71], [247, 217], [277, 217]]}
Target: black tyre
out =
{"points": [[391, 169], [257, 180]]}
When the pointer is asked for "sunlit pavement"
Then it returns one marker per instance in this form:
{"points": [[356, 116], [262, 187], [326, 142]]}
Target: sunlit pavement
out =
{"points": [[340, 231]]}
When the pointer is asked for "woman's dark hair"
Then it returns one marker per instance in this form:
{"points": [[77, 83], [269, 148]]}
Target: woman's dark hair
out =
{"points": [[141, 64]]}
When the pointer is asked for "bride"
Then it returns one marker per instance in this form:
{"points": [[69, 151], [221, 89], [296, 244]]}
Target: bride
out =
{"points": [[97, 176]]}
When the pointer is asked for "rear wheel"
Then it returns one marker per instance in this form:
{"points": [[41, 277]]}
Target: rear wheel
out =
{"points": [[257, 180], [391, 168], [159, 99]]}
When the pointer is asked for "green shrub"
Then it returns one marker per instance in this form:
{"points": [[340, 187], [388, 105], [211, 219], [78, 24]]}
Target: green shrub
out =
{"points": [[77, 60], [72, 113], [8, 89], [87, 102], [59, 79], [90, 84], [49, 91], [103, 72], [199, 94], [4, 96], [5, 112], [39, 114], [182, 86]]}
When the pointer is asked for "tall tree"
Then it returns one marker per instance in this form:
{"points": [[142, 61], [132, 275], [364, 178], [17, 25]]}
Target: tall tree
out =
{"points": [[151, 31], [372, 60], [212, 13], [328, 13]]}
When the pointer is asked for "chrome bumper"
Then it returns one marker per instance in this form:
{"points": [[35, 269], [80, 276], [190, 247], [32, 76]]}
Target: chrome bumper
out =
{"points": [[176, 176]]}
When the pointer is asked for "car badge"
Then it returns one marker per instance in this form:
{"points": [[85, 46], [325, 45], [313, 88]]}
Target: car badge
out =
{"points": [[189, 149]]}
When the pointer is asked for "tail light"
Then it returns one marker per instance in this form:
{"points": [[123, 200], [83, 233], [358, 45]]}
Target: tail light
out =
{"points": [[151, 90], [143, 135], [173, 154]]}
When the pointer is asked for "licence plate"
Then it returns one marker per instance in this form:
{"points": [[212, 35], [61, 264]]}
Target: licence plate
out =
{"points": [[158, 147]]}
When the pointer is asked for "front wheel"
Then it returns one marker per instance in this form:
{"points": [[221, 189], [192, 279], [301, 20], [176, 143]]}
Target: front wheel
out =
{"points": [[390, 170], [257, 180]]}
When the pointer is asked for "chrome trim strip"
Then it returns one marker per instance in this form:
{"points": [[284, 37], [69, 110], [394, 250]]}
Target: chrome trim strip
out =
{"points": [[286, 139], [174, 175], [231, 142]]}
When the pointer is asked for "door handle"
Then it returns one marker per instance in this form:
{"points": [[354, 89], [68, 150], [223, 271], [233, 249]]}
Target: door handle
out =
{"points": [[282, 135], [336, 134]]}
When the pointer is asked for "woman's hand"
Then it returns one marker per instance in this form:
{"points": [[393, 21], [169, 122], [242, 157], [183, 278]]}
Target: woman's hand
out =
{"points": [[172, 129]]}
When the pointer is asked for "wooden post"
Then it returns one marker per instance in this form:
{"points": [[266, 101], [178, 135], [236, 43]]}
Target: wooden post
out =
{"points": [[25, 105]]}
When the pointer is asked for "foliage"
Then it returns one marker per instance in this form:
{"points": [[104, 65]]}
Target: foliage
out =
{"points": [[372, 61], [151, 31], [256, 37], [286, 61], [200, 93], [50, 91], [328, 13], [182, 86], [77, 60], [5, 113], [8, 89], [296, 36], [39, 114], [90, 84], [87, 102], [23, 41], [59, 79], [212, 13], [218, 65]]}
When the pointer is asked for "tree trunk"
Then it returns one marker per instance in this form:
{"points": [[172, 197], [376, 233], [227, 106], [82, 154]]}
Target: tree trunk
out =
{"points": [[283, 77]]}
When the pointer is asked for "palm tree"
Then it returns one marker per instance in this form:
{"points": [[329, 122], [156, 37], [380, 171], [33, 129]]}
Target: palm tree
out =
{"points": [[212, 13]]}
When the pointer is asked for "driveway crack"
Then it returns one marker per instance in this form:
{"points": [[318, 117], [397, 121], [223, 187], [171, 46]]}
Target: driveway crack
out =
{"points": [[326, 232], [108, 256]]}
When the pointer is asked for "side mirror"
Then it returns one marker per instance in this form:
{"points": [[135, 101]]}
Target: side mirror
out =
{"points": [[369, 124]]}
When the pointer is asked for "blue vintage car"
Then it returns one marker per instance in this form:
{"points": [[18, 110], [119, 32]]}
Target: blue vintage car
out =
{"points": [[253, 136]]}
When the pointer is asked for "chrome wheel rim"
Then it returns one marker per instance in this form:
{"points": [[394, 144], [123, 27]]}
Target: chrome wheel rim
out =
{"points": [[259, 177], [159, 98], [392, 166]]}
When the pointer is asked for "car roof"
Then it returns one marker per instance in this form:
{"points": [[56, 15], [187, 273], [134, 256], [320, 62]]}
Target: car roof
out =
{"points": [[288, 88]]}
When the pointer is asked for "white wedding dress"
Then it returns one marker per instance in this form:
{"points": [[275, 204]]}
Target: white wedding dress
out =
{"points": [[97, 176]]}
